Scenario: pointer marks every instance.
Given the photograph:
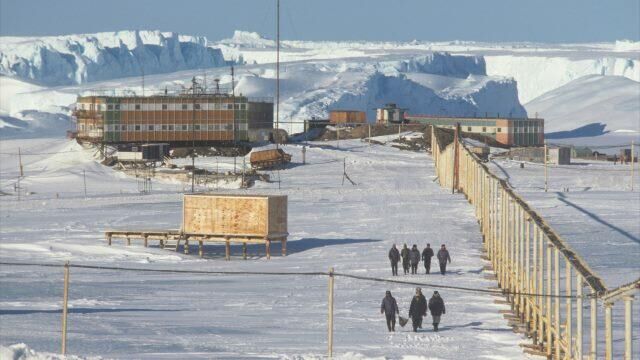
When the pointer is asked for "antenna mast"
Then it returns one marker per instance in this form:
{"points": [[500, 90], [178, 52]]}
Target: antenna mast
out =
{"points": [[277, 69]]}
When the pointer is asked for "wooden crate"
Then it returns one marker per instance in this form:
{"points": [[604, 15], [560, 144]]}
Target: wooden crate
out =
{"points": [[263, 216]]}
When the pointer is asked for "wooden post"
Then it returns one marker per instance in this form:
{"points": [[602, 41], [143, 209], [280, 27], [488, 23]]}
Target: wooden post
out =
{"points": [[454, 182], [548, 306], [632, 165], [628, 323], [579, 325], [556, 302], [535, 313], [546, 177], [541, 289], [608, 335], [227, 249], [65, 303], [569, 310], [108, 235], [201, 248], [330, 319], [146, 240], [593, 341], [268, 248], [284, 246]]}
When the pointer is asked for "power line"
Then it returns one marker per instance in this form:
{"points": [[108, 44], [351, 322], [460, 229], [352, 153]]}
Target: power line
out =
{"points": [[309, 273]]}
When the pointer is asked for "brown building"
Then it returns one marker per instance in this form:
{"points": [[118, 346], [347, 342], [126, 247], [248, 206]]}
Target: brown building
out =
{"points": [[512, 132], [175, 119], [347, 116]]}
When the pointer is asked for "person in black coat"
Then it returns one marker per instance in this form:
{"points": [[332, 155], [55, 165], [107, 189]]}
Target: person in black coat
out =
{"points": [[443, 257], [427, 254], [389, 308], [414, 259], [394, 257], [405, 258], [418, 309], [436, 307]]}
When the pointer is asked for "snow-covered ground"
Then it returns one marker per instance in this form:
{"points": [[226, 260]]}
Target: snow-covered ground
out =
{"points": [[591, 206], [141, 315]]}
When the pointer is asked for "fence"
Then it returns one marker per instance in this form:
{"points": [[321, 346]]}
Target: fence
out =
{"points": [[532, 262]]}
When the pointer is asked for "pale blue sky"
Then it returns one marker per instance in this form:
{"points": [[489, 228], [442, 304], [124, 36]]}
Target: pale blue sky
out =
{"points": [[404, 20]]}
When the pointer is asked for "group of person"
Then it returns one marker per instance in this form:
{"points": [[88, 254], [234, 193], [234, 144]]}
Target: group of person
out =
{"points": [[411, 258], [417, 310]]}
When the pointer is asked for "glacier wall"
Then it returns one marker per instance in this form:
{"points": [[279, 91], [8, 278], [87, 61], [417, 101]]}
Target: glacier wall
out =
{"points": [[537, 75], [77, 59], [494, 97]]}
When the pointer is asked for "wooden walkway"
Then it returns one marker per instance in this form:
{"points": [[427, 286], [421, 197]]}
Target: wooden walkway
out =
{"points": [[171, 239]]}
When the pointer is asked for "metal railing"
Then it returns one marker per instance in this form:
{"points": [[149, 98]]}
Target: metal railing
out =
{"points": [[533, 264]]}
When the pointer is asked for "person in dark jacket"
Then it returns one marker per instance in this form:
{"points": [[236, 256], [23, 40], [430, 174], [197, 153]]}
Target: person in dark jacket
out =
{"points": [[389, 308], [418, 309], [443, 257], [405, 258], [414, 258], [436, 307], [394, 257], [427, 254]]}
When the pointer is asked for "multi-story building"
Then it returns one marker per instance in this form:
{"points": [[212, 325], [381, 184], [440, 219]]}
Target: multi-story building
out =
{"points": [[511, 132], [175, 119]]}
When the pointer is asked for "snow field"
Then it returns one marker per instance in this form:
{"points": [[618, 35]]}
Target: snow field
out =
{"points": [[350, 228]]}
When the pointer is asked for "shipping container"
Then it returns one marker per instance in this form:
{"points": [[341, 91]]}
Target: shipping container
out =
{"points": [[347, 117], [263, 216]]}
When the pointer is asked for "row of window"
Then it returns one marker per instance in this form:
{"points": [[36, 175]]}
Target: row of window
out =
{"points": [[160, 107], [167, 127], [515, 130]]}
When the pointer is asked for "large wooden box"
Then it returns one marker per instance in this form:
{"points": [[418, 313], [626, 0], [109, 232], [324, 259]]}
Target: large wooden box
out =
{"points": [[235, 215]]}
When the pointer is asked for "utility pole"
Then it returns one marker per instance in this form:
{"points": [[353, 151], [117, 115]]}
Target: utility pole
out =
{"points": [[277, 71], [330, 317], [546, 172], [65, 302], [193, 136], [22, 172], [632, 164]]}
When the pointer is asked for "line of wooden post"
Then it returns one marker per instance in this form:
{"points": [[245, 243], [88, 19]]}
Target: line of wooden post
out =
{"points": [[526, 261]]}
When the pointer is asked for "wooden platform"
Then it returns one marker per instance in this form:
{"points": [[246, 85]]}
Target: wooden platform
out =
{"points": [[172, 239]]}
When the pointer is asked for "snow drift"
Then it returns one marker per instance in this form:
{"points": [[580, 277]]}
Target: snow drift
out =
{"points": [[612, 101], [76, 59]]}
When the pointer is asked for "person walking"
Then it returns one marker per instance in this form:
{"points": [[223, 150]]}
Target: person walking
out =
{"points": [[405, 258], [436, 307], [414, 259], [389, 308], [443, 257], [427, 254], [394, 257], [417, 309]]}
